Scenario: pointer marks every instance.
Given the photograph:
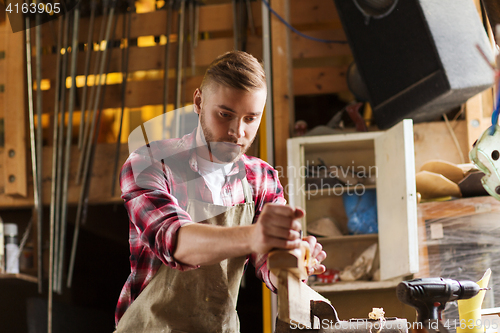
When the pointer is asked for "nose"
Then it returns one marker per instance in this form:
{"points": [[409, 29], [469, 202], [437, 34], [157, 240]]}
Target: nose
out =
{"points": [[237, 128]]}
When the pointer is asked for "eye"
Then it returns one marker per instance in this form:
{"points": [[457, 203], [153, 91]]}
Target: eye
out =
{"points": [[225, 114], [250, 119]]}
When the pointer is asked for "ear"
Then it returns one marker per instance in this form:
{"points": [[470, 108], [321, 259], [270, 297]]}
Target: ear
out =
{"points": [[197, 100]]}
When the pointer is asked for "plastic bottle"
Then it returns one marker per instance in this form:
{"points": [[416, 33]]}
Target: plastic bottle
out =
{"points": [[11, 248]]}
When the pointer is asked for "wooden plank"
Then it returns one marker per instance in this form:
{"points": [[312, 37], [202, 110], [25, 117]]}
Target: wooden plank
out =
{"points": [[458, 207], [312, 11], [100, 186], [282, 78], [321, 80], [15, 122], [20, 276], [294, 296], [433, 141], [3, 28], [306, 48], [397, 201], [139, 93], [3, 31], [294, 300], [476, 121], [152, 58], [208, 50], [295, 261]]}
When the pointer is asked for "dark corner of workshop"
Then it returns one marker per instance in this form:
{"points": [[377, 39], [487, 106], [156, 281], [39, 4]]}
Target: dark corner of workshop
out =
{"points": [[381, 120]]}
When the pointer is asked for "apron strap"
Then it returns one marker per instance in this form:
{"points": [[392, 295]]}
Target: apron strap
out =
{"points": [[246, 190], [190, 179]]}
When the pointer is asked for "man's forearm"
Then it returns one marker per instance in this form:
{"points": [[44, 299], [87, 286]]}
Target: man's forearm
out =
{"points": [[202, 244]]}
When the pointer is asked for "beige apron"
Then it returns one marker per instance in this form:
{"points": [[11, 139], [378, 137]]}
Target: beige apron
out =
{"points": [[195, 301]]}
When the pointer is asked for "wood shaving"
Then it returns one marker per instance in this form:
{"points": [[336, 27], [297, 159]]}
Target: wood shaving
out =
{"points": [[377, 314]]}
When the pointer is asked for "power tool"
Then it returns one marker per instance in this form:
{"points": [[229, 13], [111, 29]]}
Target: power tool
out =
{"points": [[429, 295]]}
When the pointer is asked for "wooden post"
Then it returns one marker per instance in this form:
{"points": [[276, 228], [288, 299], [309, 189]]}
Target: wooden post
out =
{"points": [[14, 113], [282, 84], [477, 123]]}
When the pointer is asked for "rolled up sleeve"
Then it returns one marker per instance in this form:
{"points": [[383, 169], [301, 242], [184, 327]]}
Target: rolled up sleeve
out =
{"points": [[153, 211]]}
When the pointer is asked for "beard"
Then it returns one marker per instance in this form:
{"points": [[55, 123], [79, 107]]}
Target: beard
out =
{"points": [[224, 149]]}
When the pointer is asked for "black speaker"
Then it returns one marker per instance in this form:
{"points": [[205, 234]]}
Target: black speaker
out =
{"points": [[417, 58]]}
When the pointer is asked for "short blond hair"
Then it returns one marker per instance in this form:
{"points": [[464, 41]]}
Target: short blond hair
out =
{"points": [[235, 69]]}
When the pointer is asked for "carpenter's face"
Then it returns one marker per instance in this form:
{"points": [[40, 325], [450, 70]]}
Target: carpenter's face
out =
{"points": [[229, 119]]}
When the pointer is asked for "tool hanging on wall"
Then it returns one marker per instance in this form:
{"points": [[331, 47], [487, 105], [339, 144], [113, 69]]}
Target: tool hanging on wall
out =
{"points": [[60, 141], [242, 16], [250, 17], [52, 234], [193, 33], [178, 72], [67, 153], [166, 65], [39, 137], [34, 154], [88, 125], [125, 57], [236, 37], [88, 53], [83, 200]]}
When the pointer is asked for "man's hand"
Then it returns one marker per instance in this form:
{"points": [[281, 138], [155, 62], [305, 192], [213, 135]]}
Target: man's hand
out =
{"points": [[317, 256], [276, 228]]}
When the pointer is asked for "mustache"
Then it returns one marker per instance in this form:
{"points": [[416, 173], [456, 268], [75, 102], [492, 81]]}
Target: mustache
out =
{"points": [[228, 141]]}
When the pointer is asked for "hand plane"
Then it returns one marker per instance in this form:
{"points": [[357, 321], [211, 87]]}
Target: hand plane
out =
{"points": [[300, 308]]}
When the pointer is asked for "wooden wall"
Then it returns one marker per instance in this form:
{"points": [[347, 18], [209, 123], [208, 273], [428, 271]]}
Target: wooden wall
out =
{"points": [[318, 68]]}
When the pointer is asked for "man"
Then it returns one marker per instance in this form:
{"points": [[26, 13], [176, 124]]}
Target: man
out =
{"points": [[200, 210]]}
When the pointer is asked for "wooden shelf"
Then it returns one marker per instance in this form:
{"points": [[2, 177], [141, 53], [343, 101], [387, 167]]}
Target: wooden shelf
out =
{"points": [[356, 285], [347, 238], [20, 276]]}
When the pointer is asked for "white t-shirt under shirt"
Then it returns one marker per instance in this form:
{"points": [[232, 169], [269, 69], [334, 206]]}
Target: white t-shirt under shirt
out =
{"points": [[215, 177]]}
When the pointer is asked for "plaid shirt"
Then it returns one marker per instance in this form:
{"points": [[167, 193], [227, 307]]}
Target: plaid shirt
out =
{"points": [[153, 183]]}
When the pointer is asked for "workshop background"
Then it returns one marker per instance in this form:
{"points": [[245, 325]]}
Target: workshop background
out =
{"points": [[138, 60]]}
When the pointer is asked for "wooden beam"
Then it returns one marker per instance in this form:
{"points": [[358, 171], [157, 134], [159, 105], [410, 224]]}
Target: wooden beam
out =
{"points": [[477, 123], [282, 75], [319, 80], [15, 167]]}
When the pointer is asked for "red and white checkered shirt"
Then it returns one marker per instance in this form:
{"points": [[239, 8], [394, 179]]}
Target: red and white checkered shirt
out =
{"points": [[153, 183]]}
